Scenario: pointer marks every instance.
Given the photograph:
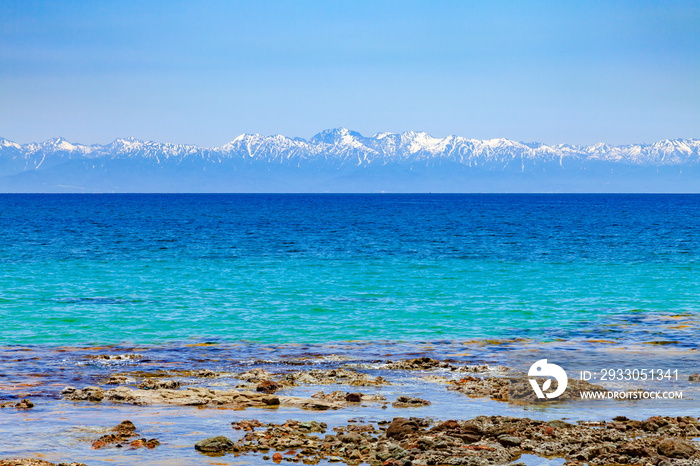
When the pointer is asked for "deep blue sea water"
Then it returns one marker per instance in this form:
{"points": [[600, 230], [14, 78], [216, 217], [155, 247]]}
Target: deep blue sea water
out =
{"points": [[98, 269]]}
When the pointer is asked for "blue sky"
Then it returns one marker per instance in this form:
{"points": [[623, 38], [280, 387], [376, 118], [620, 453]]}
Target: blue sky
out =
{"points": [[204, 72]]}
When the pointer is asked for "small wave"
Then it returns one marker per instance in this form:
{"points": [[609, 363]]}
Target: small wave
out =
{"points": [[98, 300]]}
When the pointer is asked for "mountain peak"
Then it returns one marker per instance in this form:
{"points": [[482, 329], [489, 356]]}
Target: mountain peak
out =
{"points": [[126, 144], [59, 143], [336, 135], [7, 143]]}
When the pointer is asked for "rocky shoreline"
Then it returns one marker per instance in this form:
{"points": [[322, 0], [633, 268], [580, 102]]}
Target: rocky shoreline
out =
{"points": [[482, 441], [386, 440], [485, 440]]}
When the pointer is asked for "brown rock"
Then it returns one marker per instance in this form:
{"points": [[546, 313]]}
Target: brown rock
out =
{"points": [[637, 449], [400, 427], [350, 437], [152, 443], [471, 428], [117, 380], [95, 394], [353, 397], [119, 436], [676, 448], [125, 428], [423, 363], [409, 402], [268, 386], [449, 425], [24, 404], [155, 384]]}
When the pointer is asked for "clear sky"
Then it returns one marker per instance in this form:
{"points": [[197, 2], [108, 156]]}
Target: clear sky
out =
{"points": [[204, 72]]}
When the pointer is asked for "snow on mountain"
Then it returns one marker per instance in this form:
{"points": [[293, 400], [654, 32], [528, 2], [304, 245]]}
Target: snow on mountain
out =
{"points": [[342, 147], [5, 143]]}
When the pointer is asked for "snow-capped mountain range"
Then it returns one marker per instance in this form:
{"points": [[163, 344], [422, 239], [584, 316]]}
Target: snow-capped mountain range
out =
{"points": [[332, 158], [342, 146]]}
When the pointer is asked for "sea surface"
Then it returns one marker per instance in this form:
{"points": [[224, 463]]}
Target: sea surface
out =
{"points": [[286, 282], [98, 269]]}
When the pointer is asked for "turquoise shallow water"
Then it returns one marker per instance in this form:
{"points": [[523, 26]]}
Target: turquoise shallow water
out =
{"points": [[308, 300], [97, 269]]}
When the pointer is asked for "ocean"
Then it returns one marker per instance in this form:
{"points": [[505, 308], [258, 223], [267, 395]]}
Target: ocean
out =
{"points": [[105, 269], [163, 287]]}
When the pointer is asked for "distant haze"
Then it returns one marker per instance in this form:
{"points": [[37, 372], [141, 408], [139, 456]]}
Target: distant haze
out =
{"points": [[341, 160]]}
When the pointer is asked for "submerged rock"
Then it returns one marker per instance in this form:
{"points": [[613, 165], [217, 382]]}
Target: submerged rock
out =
{"points": [[117, 380], [22, 404], [247, 425], [409, 402], [420, 364], [121, 436], [116, 357]]}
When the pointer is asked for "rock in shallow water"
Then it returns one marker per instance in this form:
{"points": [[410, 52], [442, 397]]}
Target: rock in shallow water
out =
{"points": [[268, 386], [194, 396], [156, 384], [95, 394], [121, 436], [409, 402], [22, 404], [418, 364], [218, 444]]}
